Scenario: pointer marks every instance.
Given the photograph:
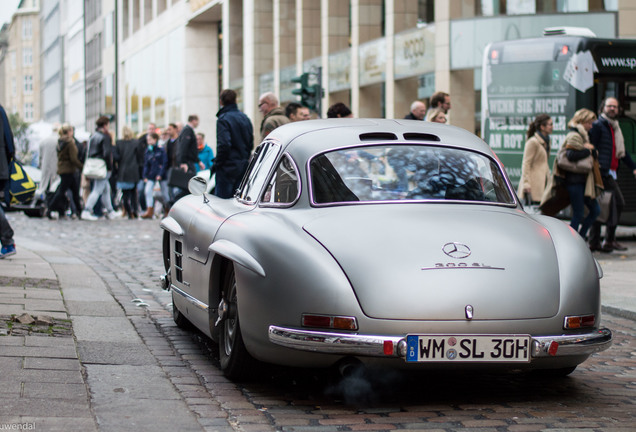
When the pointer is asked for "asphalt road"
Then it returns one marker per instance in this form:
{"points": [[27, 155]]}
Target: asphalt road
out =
{"points": [[598, 396]]}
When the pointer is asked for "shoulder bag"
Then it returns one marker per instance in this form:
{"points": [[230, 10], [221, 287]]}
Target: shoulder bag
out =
{"points": [[582, 166], [94, 168]]}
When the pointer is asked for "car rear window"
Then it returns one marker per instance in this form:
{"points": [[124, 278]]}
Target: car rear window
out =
{"points": [[406, 172]]}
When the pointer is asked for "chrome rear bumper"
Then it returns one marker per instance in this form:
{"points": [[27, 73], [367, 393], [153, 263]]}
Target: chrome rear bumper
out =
{"points": [[395, 346]]}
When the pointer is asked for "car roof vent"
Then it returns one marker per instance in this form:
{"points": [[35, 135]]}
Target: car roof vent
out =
{"points": [[377, 136], [568, 31], [417, 136]]}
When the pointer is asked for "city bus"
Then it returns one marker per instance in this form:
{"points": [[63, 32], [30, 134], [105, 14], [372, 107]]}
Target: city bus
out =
{"points": [[557, 75]]}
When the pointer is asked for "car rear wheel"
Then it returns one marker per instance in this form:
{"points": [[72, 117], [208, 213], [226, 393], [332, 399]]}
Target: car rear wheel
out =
{"points": [[236, 362]]}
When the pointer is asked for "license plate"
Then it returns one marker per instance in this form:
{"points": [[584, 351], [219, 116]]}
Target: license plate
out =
{"points": [[468, 348]]}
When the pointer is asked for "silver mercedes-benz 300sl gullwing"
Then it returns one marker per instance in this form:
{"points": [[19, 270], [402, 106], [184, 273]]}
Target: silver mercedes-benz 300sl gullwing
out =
{"points": [[388, 241]]}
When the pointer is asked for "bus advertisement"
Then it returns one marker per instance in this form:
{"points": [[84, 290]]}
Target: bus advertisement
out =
{"points": [[557, 75]]}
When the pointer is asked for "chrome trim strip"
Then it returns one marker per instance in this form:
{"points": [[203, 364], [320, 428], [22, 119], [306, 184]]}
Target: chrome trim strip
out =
{"points": [[492, 156], [300, 186], [332, 343], [581, 344], [373, 345], [189, 298]]}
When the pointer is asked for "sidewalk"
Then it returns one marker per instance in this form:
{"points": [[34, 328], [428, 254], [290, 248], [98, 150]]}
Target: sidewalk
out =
{"points": [[104, 378]]}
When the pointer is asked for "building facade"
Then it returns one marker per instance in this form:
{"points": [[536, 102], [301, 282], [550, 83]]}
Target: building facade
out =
{"points": [[377, 56], [100, 66], [22, 62], [52, 55], [74, 84]]}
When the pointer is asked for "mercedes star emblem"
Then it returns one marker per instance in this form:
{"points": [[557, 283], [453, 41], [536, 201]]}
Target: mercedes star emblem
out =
{"points": [[456, 250]]}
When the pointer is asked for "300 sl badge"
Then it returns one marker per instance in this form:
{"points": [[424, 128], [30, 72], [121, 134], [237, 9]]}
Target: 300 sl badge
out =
{"points": [[462, 265]]}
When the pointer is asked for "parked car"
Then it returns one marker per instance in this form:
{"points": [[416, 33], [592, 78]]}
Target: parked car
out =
{"points": [[393, 242]]}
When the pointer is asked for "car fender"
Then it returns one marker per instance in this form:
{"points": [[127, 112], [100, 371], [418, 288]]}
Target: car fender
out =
{"points": [[237, 254], [579, 272]]}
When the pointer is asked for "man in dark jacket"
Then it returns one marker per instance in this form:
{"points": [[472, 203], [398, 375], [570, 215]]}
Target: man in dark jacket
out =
{"points": [[187, 150], [234, 142], [418, 111], [6, 155], [608, 139]]}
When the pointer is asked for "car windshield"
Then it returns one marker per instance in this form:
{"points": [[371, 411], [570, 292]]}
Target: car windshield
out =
{"points": [[406, 172]]}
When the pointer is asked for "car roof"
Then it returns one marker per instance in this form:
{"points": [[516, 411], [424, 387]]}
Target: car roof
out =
{"points": [[304, 139]]}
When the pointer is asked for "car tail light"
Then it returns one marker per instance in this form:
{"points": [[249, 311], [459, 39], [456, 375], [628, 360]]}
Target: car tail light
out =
{"points": [[577, 322], [330, 322]]}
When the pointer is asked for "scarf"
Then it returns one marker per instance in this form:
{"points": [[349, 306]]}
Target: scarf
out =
{"points": [[546, 141], [619, 141], [578, 128]]}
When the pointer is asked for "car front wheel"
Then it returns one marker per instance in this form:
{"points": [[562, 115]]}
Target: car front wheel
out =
{"points": [[236, 362]]}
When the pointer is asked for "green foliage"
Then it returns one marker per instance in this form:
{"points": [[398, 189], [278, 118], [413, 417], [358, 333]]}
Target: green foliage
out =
{"points": [[21, 139]]}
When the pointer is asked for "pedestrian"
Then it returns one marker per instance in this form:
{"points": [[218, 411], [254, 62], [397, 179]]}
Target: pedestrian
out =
{"points": [[155, 162], [436, 115], [441, 100], [68, 164], [534, 167], [143, 145], [607, 138], [171, 154], [206, 154], [296, 112], [128, 155], [49, 179], [418, 111], [100, 146], [187, 152], [339, 110], [234, 142], [273, 114], [7, 151], [580, 185]]}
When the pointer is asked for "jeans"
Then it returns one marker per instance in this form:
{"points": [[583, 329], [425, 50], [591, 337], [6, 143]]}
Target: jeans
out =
{"points": [[149, 191], [142, 198], [101, 187], [578, 200]]}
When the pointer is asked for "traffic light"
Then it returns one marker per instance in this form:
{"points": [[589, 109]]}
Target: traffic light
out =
{"points": [[310, 95]]}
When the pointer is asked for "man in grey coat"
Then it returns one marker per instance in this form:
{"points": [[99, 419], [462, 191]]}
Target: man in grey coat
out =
{"points": [[48, 164]]}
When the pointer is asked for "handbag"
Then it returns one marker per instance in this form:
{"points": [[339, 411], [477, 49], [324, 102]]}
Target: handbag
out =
{"points": [[555, 197], [94, 168], [179, 178], [581, 166]]}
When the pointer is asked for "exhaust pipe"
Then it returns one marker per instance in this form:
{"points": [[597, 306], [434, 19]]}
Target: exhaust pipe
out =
{"points": [[349, 366]]}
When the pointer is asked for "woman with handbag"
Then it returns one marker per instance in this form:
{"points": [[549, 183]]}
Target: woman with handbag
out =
{"points": [[576, 159], [67, 165], [535, 171]]}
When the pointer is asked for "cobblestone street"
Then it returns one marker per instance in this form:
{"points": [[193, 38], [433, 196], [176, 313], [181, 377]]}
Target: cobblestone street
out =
{"points": [[598, 396]]}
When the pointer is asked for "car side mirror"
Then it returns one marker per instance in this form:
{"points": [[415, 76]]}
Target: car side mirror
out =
{"points": [[197, 185]]}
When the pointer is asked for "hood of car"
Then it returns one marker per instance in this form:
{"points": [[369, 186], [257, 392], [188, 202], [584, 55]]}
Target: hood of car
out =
{"points": [[443, 261]]}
